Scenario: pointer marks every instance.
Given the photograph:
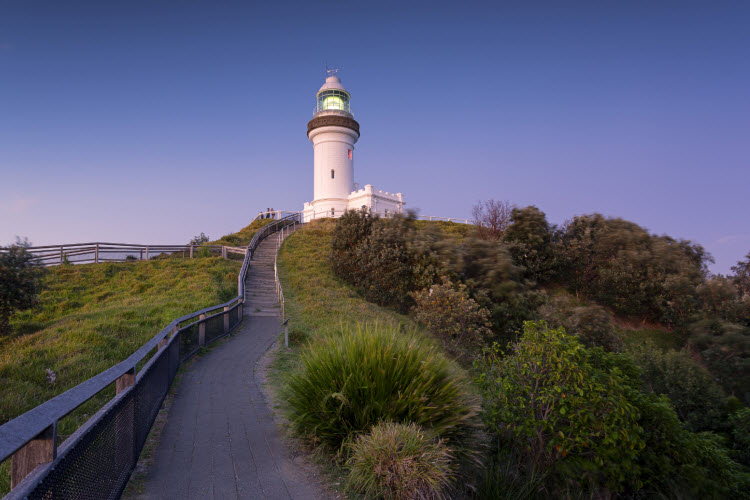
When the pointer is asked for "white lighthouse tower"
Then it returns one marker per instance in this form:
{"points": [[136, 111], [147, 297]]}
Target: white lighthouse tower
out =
{"points": [[333, 132]]}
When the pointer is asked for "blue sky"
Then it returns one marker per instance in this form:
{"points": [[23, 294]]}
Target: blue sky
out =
{"points": [[149, 121]]}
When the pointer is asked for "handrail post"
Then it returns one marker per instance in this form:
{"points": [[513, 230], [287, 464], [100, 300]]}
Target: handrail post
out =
{"points": [[96, 254], [146, 252], [242, 301], [191, 251], [38, 451], [62, 258], [202, 330], [125, 380], [226, 319]]}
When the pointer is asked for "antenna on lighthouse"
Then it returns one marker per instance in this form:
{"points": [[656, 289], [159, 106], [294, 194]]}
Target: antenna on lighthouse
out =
{"points": [[331, 71]]}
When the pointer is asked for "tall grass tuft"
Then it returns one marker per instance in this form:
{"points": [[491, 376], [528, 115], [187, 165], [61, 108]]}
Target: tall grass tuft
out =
{"points": [[351, 378], [399, 461]]}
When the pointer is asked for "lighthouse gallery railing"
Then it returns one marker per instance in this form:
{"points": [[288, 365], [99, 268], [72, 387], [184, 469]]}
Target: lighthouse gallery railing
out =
{"points": [[96, 460]]}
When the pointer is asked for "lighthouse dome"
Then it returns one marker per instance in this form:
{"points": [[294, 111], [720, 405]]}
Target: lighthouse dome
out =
{"points": [[332, 82]]}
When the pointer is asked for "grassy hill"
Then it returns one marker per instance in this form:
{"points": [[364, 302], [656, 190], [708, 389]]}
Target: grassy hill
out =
{"points": [[91, 317]]}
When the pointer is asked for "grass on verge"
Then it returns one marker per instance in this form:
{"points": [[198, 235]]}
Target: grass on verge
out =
{"points": [[93, 316], [317, 300]]}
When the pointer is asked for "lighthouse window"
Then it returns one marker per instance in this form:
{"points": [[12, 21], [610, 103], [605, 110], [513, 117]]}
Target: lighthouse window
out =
{"points": [[350, 153], [333, 212], [332, 173]]}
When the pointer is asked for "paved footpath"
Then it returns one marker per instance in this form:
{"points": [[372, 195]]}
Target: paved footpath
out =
{"points": [[220, 440]]}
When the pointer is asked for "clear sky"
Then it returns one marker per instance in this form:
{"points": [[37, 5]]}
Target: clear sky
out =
{"points": [[149, 121]]}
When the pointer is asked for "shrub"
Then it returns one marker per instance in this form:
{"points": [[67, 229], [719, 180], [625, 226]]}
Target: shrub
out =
{"points": [[739, 423], [697, 399], [202, 252], [399, 461], [20, 282], [592, 324], [451, 315], [621, 265], [725, 349], [564, 407], [349, 380], [351, 229]]}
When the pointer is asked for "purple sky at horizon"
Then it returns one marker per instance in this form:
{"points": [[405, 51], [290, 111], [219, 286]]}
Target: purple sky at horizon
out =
{"points": [[152, 121]]}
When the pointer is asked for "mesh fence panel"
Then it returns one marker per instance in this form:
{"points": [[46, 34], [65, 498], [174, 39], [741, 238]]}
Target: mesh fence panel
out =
{"points": [[214, 328], [234, 317], [98, 465], [150, 390], [188, 342]]}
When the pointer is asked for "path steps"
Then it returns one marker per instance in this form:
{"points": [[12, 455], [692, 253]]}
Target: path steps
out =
{"points": [[220, 440]]}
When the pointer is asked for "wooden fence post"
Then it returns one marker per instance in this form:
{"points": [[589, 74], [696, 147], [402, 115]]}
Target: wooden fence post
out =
{"points": [[125, 380], [202, 330], [38, 451], [191, 251], [226, 319], [96, 254], [239, 314], [146, 252], [62, 255]]}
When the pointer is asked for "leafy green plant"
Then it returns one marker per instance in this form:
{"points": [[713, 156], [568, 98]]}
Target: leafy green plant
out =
{"points": [[563, 407], [399, 461], [739, 423], [352, 378]]}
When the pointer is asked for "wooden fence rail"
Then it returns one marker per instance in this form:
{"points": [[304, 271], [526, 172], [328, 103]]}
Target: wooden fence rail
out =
{"points": [[96, 252]]}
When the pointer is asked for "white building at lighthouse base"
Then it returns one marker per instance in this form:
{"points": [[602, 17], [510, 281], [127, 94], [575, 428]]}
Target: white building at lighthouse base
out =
{"points": [[376, 201]]}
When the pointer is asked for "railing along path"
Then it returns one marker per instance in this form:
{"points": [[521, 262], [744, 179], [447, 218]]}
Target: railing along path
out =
{"points": [[97, 459]]}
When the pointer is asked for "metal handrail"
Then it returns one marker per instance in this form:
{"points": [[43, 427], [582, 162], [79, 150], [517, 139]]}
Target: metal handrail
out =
{"points": [[23, 429]]}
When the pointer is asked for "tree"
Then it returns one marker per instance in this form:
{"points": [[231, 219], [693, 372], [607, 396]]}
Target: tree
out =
{"points": [[199, 240], [20, 282], [742, 275], [529, 241], [492, 218]]}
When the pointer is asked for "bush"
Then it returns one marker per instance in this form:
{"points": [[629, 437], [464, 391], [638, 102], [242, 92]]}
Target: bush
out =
{"points": [[399, 461], [579, 413], [621, 265], [739, 423], [563, 407], [697, 399], [351, 229], [592, 324], [725, 349], [349, 380], [20, 282], [451, 315]]}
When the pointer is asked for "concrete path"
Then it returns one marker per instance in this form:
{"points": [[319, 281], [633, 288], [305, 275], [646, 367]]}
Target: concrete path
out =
{"points": [[220, 440]]}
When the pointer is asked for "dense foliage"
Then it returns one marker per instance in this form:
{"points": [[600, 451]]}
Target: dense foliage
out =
{"points": [[570, 408], [580, 413], [20, 282]]}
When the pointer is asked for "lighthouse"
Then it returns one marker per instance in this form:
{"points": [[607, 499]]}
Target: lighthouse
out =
{"points": [[333, 132]]}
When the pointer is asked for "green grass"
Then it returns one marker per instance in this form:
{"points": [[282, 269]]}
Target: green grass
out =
{"points": [[317, 301], [91, 317], [244, 235]]}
